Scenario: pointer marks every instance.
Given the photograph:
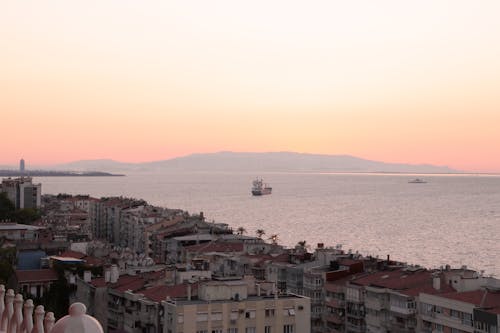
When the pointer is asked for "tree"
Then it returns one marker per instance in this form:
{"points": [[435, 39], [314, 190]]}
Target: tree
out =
{"points": [[8, 212], [6, 207], [7, 260], [302, 245], [241, 230], [274, 239], [25, 215], [260, 233]]}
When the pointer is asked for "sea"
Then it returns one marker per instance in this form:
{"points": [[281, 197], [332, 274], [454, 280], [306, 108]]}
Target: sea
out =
{"points": [[449, 220]]}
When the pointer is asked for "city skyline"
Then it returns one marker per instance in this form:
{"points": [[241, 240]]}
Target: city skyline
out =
{"points": [[387, 81]]}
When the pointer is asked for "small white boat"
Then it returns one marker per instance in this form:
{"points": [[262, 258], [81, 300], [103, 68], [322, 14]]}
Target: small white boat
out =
{"points": [[417, 181]]}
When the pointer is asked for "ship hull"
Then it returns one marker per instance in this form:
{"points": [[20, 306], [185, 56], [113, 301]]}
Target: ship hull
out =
{"points": [[263, 191]]}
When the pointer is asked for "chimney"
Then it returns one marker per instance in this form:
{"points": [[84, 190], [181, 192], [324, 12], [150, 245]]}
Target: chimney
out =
{"points": [[388, 259], [189, 291], [436, 282], [87, 276], [107, 274], [321, 245], [115, 274]]}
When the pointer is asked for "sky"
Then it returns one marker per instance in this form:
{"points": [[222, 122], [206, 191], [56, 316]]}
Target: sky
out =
{"points": [[393, 81]]}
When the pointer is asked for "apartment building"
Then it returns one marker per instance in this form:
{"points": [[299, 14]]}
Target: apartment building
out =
{"points": [[487, 320], [334, 314], [22, 192], [454, 312], [16, 231], [226, 306], [117, 301]]}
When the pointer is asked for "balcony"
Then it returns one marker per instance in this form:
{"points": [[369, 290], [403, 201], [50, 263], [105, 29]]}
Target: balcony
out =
{"points": [[333, 318], [404, 311], [334, 303], [356, 328], [18, 315], [376, 304]]}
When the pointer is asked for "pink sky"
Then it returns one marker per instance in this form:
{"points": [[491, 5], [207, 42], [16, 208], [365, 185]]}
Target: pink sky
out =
{"points": [[388, 80]]}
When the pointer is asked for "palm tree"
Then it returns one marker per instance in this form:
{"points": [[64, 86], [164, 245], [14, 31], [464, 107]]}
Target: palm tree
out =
{"points": [[302, 245], [241, 230], [274, 239], [260, 233]]}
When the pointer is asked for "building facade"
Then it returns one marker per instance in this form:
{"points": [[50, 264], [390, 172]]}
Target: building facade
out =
{"points": [[22, 192]]}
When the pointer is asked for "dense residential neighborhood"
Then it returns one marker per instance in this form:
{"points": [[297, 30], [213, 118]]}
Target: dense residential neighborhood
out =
{"points": [[140, 268]]}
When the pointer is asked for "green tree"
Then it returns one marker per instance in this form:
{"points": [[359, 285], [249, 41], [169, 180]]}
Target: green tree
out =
{"points": [[25, 215], [57, 298], [8, 212], [7, 207], [7, 259]]}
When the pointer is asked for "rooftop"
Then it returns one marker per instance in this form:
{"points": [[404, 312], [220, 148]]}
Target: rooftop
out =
{"points": [[482, 298], [17, 226], [36, 275]]}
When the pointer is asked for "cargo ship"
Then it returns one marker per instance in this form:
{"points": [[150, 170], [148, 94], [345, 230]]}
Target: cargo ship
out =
{"points": [[259, 188]]}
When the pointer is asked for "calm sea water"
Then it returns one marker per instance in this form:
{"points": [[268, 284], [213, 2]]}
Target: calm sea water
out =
{"points": [[452, 219]]}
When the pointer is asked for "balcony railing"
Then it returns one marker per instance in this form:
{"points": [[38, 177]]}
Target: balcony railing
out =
{"points": [[18, 315]]}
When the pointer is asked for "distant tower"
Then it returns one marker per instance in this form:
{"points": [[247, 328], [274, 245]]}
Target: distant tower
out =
{"points": [[21, 165]]}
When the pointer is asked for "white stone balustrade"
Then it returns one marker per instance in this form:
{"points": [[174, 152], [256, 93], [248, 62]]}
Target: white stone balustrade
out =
{"points": [[17, 316]]}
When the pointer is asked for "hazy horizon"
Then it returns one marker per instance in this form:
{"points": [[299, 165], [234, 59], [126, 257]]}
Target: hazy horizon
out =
{"points": [[392, 81]]}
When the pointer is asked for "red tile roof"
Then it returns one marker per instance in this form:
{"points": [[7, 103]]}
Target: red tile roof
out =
{"points": [[160, 293], [72, 254], [98, 282], [36, 275], [92, 261], [133, 285], [406, 282], [482, 298], [129, 282]]}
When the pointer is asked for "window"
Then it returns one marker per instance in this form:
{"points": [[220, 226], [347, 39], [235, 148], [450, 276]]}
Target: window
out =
{"points": [[216, 316], [201, 316], [233, 315], [250, 314], [467, 319], [288, 329], [438, 327], [217, 330], [232, 330], [202, 331], [267, 329], [180, 319], [269, 312], [250, 330]]}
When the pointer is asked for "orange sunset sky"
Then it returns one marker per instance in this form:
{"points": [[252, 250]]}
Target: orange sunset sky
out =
{"points": [[394, 81]]}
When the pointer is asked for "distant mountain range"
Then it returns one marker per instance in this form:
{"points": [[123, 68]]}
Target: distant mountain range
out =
{"points": [[254, 162]]}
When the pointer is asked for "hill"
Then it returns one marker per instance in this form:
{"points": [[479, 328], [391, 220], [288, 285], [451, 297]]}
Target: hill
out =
{"points": [[257, 162]]}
